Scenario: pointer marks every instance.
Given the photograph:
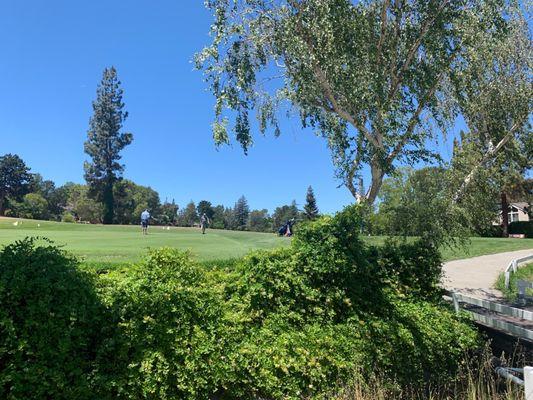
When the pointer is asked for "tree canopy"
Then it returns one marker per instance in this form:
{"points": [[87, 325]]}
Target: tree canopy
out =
{"points": [[367, 75]]}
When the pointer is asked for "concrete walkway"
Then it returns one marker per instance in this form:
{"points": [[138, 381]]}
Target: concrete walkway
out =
{"points": [[476, 276]]}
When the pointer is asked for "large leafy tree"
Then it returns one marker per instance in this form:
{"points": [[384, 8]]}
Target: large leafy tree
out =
{"points": [[493, 91], [366, 74], [205, 207], [105, 142], [15, 179]]}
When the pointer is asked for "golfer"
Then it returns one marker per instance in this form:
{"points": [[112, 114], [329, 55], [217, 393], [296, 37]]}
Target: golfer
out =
{"points": [[204, 221], [145, 217]]}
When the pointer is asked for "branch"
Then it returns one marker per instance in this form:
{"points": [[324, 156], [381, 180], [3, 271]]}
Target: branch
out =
{"points": [[490, 153], [414, 118], [328, 91], [398, 78], [386, 4]]}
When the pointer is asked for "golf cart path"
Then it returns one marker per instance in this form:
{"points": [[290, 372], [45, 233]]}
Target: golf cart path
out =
{"points": [[476, 276]]}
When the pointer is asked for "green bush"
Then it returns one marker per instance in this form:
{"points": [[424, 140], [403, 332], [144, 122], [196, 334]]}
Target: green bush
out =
{"points": [[414, 269], [68, 217], [50, 320], [522, 227], [169, 341], [285, 324]]}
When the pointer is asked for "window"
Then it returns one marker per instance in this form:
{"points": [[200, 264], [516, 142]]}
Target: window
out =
{"points": [[513, 214]]}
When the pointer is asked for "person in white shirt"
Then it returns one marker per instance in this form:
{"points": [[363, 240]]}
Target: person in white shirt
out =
{"points": [[145, 218]]}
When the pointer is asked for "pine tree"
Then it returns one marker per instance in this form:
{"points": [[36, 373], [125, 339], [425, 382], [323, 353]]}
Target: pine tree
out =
{"points": [[241, 211], [310, 208], [105, 142]]}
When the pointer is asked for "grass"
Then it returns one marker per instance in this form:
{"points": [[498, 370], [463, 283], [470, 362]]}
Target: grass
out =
{"points": [[479, 246], [99, 245], [524, 273]]}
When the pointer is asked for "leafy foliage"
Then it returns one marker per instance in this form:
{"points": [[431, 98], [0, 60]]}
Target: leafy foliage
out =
{"points": [[367, 75], [14, 179], [50, 319], [286, 324]]}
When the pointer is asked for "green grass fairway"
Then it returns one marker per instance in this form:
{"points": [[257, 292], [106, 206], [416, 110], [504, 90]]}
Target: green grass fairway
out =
{"points": [[119, 244], [122, 244]]}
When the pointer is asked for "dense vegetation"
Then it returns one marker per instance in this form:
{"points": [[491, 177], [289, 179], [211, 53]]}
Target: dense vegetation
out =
{"points": [[29, 195], [279, 324]]}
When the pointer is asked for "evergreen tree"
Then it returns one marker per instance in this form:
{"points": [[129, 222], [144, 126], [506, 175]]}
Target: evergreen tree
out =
{"points": [[105, 141], [241, 211], [310, 208]]}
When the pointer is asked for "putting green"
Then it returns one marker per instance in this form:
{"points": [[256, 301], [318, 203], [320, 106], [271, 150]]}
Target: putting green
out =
{"points": [[119, 244]]}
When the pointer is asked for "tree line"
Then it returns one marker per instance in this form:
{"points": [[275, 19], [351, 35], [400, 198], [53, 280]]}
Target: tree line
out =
{"points": [[28, 195]]}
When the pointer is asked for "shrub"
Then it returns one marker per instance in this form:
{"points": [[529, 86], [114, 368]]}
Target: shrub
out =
{"points": [[169, 340], [49, 324], [414, 269], [522, 227], [68, 217]]}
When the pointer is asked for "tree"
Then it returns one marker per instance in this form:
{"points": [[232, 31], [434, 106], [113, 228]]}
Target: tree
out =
{"points": [[169, 212], [80, 205], [218, 220], [259, 221], [132, 199], [33, 206], [56, 198], [188, 216], [310, 207], [416, 203], [205, 207], [241, 212], [284, 213], [14, 179], [366, 74], [492, 89], [105, 142]]}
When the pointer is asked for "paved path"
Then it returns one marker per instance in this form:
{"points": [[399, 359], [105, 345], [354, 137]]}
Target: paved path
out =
{"points": [[476, 276]]}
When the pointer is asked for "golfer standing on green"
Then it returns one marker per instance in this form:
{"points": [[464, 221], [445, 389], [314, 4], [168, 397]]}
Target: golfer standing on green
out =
{"points": [[145, 217], [204, 221]]}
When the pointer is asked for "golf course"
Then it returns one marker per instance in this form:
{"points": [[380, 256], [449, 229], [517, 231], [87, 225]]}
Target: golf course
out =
{"points": [[119, 244]]}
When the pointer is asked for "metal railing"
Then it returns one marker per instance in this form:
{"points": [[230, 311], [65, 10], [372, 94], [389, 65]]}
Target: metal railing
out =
{"points": [[513, 267], [491, 320], [511, 375]]}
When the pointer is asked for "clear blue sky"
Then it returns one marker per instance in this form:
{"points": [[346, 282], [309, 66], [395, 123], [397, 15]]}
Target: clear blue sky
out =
{"points": [[52, 56]]}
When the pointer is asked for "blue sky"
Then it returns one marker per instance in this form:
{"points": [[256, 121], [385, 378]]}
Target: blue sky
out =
{"points": [[52, 56]]}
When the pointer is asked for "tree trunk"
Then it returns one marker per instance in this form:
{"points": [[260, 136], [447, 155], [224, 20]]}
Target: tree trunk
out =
{"points": [[109, 204], [377, 181], [2, 209], [505, 215]]}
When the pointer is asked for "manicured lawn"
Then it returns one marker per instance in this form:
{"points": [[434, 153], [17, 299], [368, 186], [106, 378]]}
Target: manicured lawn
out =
{"points": [[121, 244], [482, 246]]}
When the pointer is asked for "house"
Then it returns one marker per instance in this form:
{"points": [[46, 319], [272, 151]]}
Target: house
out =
{"points": [[517, 212]]}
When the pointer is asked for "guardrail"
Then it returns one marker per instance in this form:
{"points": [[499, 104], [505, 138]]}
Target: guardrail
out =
{"points": [[527, 382], [491, 320], [506, 326], [513, 267]]}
